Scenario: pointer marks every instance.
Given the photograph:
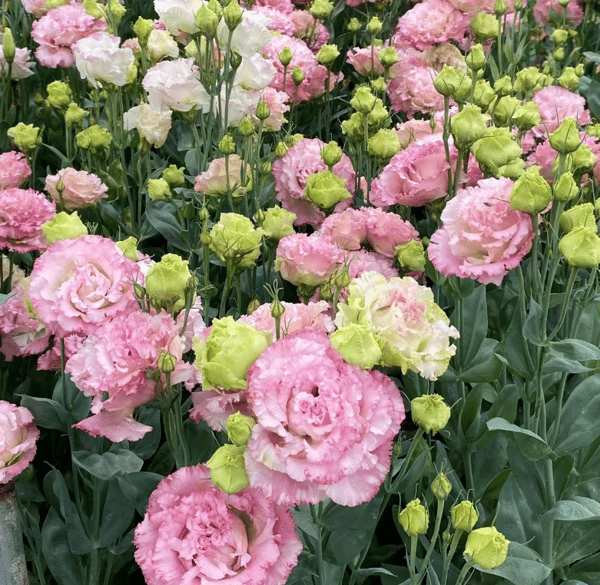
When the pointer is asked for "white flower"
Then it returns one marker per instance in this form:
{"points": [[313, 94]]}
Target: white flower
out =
{"points": [[161, 44], [178, 15], [255, 72], [249, 37], [151, 124]]}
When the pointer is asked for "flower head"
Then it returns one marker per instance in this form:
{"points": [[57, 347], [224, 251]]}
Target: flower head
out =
{"points": [[18, 435]]}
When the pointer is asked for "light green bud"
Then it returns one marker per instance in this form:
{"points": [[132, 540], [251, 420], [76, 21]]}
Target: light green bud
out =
{"points": [[245, 127], [487, 547], [414, 518], [232, 15], [239, 428], [262, 111], [285, 56], [174, 176], [559, 54], [354, 25], [59, 94], [565, 188], [167, 281], [94, 138], [206, 21], [167, 362], [527, 116], [363, 100], [277, 223], [331, 154], [430, 412], [464, 516], [500, 8], [504, 109], [64, 226], [468, 126], [581, 247], [159, 190], [142, 29], [484, 26], [358, 345], [383, 145], [410, 256], [74, 116], [583, 159], [452, 82], [227, 145], [8, 45], [503, 86], [527, 79], [497, 149], [129, 248], [297, 75], [326, 190], [374, 26], [378, 85], [578, 216], [530, 193], [484, 94], [565, 139], [388, 56], [327, 55], [569, 79], [227, 468], [441, 487], [476, 58], [92, 8], [25, 136], [559, 36], [321, 9], [379, 115], [354, 127], [235, 240]]}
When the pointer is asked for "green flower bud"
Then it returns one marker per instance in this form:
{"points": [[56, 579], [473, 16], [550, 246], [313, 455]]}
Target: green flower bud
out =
{"points": [[227, 353], [504, 109], [159, 190], [464, 516], [363, 100], [285, 57], [378, 85], [383, 145], [228, 470], [484, 94], [566, 187], [528, 79], [327, 55], [277, 308], [326, 190], [174, 176], [565, 138], [430, 412], [129, 248], [484, 26], [94, 138], [583, 158], [500, 8], [92, 8], [476, 58], [354, 25], [239, 428], [277, 223], [206, 20], [59, 94], [379, 115], [487, 547], [8, 45], [25, 136], [578, 216], [331, 154], [527, 116], [354, 127], [581, 247], [411, 256], [580, 70], [167, 282], [468, 126], [64, 226], [321, 9], [117, 10], [245, 127], [235, 240], [388, 56], [497, 149], [232, 15], [227, 145], [559, 36], [216, 7], [451, 81], [512, 170], [503, 86], [414, 518], [374, 26], [563, 3], [74, 116], [559, 54], [294, 139], [262, 111], [281, 148], [441, 487], [531, 193], [358, 345], [142, 29], [297, 75], [569, 79], [265, 168], [167, 362]]}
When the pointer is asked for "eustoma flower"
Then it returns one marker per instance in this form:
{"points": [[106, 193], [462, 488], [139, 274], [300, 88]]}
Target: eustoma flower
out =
{"points": [[324, 427], [18, 435], [195, 534]]}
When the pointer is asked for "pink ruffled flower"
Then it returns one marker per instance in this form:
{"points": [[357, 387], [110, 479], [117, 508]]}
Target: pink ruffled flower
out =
{"points": [[324, 427], [309, 29], [22, 332], [315, 74], [18, 435], [195, 534], [412, 130], [14, 169], [283, 6], [472, 7], [80, 189], [21, 66], [542, 11], [291, 171], [276, 102], [277, 20], [214, 180], [51, 360], [428, 23], [415, 176], [482, 237], [543, 156], [114, 361], [308, 261], [365, 61], [22, 213], [361, 261], [77, 285], [37, 7], [59, 30]]}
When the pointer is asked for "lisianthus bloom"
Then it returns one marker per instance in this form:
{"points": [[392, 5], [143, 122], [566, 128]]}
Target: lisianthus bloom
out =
{"points": [[59, 30], [415, 176], [21, 65], [543, 9], [18, 435], [79, 188], [276, 102], [38, 7], [291, 171], [152, 125], [112, 367], [77, 285], [178, 15], [365, 61], [324, 427], [22, 213], [14, 169], [482, 237], [248, 38], [412, 330], [221, 173], [194, 533]]}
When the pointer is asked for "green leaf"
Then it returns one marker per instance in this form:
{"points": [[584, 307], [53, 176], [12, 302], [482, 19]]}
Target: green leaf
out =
{"points": [[148, 444], [473, 328], [590, 89], [48, 413], [530, 477], [580, 420], [532, 328], [531, 445], [577, 509], [117, 515], [574, 541], [515, 348], [65, 567], [569, 355], [71, 398], [586, 571], [351, 529], [109, 464], [137, 488], [522, 566], [485, 365], [160, 216]]}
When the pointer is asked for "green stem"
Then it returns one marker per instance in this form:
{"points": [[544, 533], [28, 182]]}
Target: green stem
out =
{"points": [[566, 303], [434, 537], [462, 577], [316, 513], [448, 558], [412, 559]]}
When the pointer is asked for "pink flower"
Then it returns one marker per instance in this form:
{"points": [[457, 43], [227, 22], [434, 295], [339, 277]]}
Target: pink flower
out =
{"points": [[428, 23], [309, 29], [77, 285], [175, 85], [195, 534], [100, 59], [51, 360], [276, 102], [315, 74], [18, 435], [37, 7], [22, 213], [415, 176], [21, 66], [220, 171], [308, 261], [59, 30], [22, 332], [80, 189], [412, 130], [114, 362], [324, 427], [361, 261], [365, 61], [14, 169], [482, 237], [543, 156], [283, 6], [276, 20], [291, 171], [543, 8]]}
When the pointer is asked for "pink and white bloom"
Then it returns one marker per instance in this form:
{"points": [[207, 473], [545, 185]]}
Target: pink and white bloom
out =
{"points": [[18, 436], [14, 169], [249, 37], [22, 213], [196, 534], [543, 9], [178, 15], [78, 285], [80, 189], [324, 427], [482, 237], [100, 59], [161, 44], [152, 125], [21, 66], [276, 102]]}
